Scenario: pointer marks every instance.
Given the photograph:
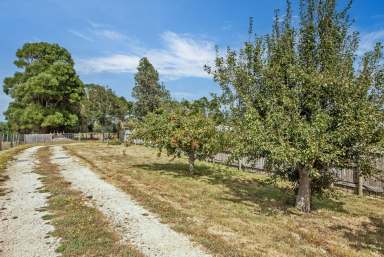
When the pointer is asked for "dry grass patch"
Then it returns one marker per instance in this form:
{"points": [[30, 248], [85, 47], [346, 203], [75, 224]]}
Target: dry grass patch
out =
{"points": [[236, 213], [83, 230]]}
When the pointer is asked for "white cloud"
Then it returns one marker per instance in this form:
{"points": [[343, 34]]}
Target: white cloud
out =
{"points": [[115, 63], [182, 56], [96, 24], [368, 40], [98, 31], [80, 35], [109, 34]]}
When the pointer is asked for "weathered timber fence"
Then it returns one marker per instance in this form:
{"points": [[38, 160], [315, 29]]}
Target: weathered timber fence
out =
{"points": [[9, 140], [347, 178]]}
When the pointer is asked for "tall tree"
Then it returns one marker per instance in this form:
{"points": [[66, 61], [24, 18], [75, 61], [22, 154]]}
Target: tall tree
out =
{"points": [[305, 106], [102, 109], [46, 91], [149, 93]]}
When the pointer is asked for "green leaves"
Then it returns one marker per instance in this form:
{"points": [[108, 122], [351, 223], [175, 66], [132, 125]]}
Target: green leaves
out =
{"points": [[147, 90], [102, 109], [296, 98], [46, 93], [181, 131]]}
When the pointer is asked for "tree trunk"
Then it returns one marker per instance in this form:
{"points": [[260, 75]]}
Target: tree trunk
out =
{"points": [[191, 161], [12, 136], [303, 198], [359, 184]]}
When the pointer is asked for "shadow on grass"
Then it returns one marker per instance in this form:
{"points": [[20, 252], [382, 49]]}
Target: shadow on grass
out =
{"points": [[264, 192], [369, 237]]}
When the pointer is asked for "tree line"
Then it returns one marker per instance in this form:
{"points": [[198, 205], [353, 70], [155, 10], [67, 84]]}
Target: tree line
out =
{"points": [[48, 96], [301, 96]]}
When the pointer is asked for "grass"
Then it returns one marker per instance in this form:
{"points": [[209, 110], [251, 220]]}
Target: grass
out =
{"points": [[5, 157], [83, 230], [235, 213]]}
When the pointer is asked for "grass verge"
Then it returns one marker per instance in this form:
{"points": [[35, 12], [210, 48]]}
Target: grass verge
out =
{"points": [[83, 230], [236, 213]]}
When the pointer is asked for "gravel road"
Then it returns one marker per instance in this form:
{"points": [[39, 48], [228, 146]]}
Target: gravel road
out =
{"points": [[135, 224], [23, 231]]}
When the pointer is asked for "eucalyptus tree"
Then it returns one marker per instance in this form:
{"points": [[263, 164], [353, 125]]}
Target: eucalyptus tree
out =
{"points": [[308, 101], [102, 110]]}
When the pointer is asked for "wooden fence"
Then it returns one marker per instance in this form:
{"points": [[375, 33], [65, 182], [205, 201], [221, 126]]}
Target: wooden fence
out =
{"points": [[343, 177], [10, 140]]}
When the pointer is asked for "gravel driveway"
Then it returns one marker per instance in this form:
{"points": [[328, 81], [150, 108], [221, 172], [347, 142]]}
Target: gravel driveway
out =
{"points": [[23, 231], [135, 224]]}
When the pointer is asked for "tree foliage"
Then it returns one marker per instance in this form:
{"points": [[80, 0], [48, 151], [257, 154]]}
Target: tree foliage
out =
{"points": [[102, 110], [148, 92], [46, 91], [209, 108], [181, 131], [297, 98], [4, 127]]}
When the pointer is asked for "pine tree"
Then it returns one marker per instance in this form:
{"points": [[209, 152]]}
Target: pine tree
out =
{"points": [[46, 90], [147, 90]]}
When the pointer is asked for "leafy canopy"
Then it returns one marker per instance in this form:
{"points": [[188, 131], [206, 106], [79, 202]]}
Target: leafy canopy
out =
{"points": [[181, 131], [148, 92], [102, 109], [297, 98], [46, 91]]}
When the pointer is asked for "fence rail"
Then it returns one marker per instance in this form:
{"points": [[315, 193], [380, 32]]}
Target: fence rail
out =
{"points": [[9, 140], [343, 177]]}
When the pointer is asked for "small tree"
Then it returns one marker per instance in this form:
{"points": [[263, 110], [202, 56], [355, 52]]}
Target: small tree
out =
{"points": [[147, 90], [181, 132]]}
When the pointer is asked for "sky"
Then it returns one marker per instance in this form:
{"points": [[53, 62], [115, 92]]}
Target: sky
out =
{"points": [[107, 38]]}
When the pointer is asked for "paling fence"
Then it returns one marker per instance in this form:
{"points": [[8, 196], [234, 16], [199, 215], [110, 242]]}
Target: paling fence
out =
{"points": [[346, 178], [9, 140], [343, 177]]}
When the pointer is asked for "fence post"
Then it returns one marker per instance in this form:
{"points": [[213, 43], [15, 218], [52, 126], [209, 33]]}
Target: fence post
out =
{"points": [[12, 138], [359, 182], [1, 142]]}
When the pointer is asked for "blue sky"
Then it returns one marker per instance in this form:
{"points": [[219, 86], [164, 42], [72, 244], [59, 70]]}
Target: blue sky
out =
{"points": [[106, 38]]}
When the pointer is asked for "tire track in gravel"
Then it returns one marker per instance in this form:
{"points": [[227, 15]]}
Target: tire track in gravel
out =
{"points": [[135, 224], [23, 231]]}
